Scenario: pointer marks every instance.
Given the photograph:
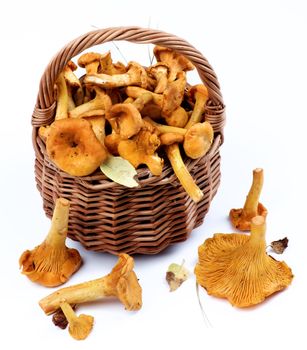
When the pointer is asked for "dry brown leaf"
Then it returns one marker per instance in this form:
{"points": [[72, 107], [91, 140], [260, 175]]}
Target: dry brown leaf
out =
{"points": [[279, 246]]}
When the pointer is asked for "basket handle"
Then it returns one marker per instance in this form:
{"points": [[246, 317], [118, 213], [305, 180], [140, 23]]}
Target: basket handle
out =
{"points": [[45, 106]]}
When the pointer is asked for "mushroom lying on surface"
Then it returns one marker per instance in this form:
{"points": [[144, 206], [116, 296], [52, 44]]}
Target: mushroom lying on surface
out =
{"points": [[72, 145], [141, 149], [136, 75], [121, 282], [52, 263], [241, 218], [174, 60], [237, 267], [79, 326]]}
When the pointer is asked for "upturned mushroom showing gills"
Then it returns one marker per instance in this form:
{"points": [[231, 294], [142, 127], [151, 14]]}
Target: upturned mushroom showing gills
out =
{"points": [[73, 146], [237, 267], [241, 218], [121, 282], [199, 93], [52, 263]]}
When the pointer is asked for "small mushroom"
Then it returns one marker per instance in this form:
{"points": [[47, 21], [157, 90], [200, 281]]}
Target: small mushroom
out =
{"points": [[200, 94], [241, 218], [52, 263], [101, 101], [90, 61], [160, 72], [62, 98], [72, 145], [182, 173], [125, 118], [173, 95], [108, 67], [236, 267], [79, 326], [121, 282], [136, 75], [198, 140], [174, 60], [74, 88], [141, 149]]}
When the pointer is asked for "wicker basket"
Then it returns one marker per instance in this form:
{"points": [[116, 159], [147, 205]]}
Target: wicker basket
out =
{"points": [[108, 217]]}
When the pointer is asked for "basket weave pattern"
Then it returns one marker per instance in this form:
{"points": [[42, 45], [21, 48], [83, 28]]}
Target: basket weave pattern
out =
{"points": [[108, 217]]}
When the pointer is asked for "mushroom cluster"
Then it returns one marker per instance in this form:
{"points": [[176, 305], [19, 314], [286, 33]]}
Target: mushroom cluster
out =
{"points": [[138, 113]]}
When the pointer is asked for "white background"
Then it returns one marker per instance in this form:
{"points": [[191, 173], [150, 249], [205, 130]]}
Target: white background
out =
{"points": [[258, 51]]}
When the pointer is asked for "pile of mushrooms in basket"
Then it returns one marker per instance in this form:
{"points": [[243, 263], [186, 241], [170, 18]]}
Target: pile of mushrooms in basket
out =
{"points": [[119, 118]]}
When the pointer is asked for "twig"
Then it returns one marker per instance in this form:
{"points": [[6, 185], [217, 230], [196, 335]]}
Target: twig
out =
{"points": [[205, 317]]}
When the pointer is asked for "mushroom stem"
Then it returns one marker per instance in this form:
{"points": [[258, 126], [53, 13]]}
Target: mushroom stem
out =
{"points": [[58, 231], [199, 108], [182, 173], [79, 326], [258, 229], [62, 98], [101, 102], [135, 92], [142, 100], [121, 282], [77, 294], [251, 204], [163, 129]]}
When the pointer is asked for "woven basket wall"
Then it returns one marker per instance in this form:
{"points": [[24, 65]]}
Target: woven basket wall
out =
{"points": [[108, 217]]}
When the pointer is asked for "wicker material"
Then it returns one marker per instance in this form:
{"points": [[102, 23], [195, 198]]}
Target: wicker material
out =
{"points": [[106, 216]]}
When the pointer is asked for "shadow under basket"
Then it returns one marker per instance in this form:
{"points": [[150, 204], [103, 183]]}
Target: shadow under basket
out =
{"points": [[105, 216]]}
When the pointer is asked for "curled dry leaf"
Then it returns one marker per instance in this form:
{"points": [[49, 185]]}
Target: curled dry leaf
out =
{"points": [[120, 171], [176, 275], [279, 246]]}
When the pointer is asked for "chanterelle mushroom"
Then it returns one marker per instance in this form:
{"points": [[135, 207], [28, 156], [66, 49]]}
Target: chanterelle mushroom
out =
{"points": [[125, 118], [141, 149], [90, 61], [73, 146], [52, 263], [136, 75], [198, 140], [174, 60], [241, 218], [237, 267], [79, 326], [121, 282], [200, 94]]}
